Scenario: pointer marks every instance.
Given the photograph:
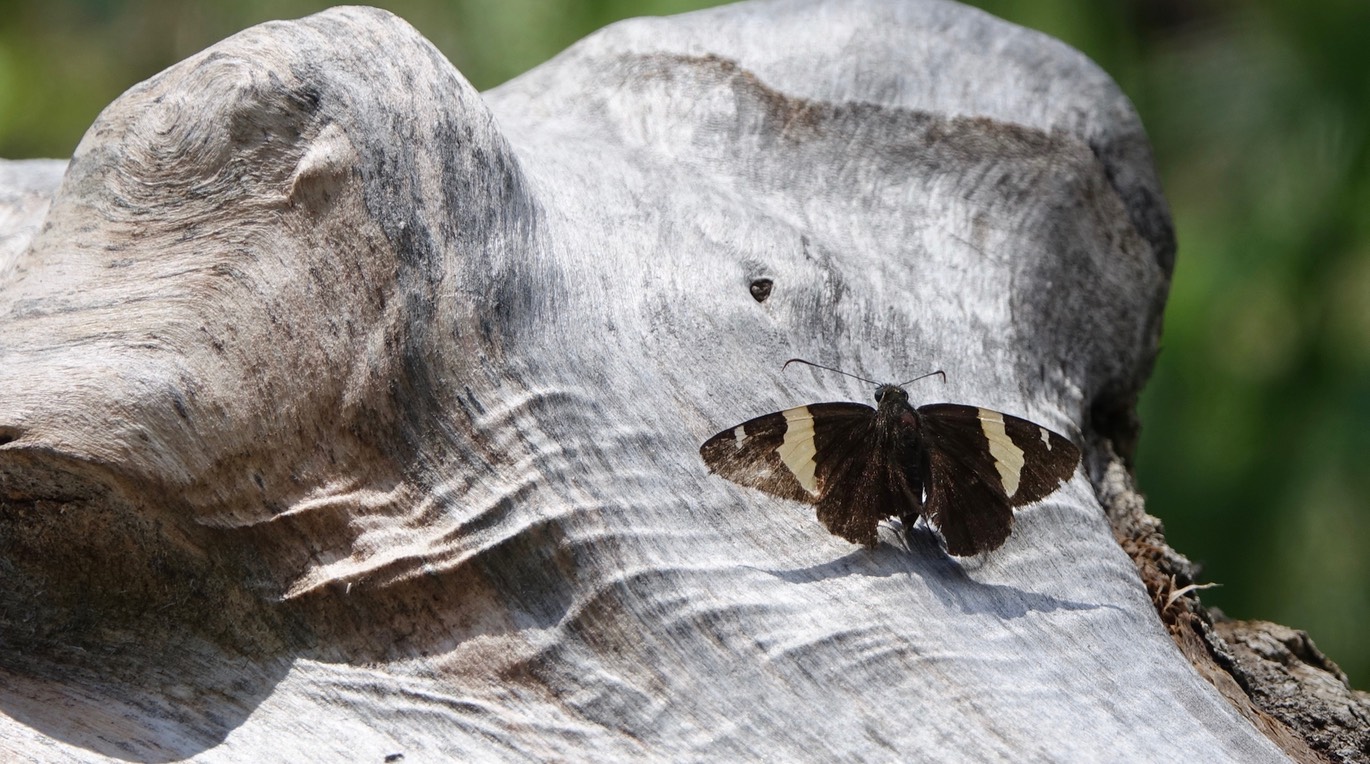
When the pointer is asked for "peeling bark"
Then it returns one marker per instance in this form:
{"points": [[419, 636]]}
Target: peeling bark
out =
{"points": [[1273, 675]]}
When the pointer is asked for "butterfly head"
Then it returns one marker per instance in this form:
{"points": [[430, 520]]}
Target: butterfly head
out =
{"points": [[887, 395]]}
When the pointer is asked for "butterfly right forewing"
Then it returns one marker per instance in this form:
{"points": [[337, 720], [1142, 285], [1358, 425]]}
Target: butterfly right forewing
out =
{"points": [[982, 463]]}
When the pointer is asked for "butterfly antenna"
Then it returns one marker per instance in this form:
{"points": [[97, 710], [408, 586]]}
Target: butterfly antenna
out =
{"points": [[827, 368], [925, 376]]}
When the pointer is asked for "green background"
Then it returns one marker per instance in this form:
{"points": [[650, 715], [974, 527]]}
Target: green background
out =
{"points": [[1259, 112]]}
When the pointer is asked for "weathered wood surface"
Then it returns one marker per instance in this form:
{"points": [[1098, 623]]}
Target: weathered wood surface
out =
{"points": [[346, 411]]}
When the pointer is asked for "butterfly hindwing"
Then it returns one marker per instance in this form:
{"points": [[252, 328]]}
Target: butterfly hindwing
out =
{"points": [[982, 464], [868, 485]]}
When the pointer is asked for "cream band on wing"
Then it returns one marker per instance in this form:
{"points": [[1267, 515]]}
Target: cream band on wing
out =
{"points": [[1008, 457], [797, 450]]}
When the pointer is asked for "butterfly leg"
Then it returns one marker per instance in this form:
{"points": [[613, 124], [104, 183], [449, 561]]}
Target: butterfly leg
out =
{"points": [[910, 512]]}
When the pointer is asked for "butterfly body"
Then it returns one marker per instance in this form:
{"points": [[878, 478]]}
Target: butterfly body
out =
{"points": [[962, 467]]}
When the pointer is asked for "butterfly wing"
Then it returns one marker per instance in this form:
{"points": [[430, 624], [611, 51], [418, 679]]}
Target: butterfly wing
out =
{"points": [[884, 481], [982, 464], [817, 454]]}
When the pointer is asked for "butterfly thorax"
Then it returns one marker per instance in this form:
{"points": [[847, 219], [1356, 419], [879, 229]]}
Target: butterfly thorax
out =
{"points": [[893, 412], [891, 395], [897, 424]]}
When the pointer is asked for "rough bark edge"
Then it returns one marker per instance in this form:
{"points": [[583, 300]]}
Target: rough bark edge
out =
{"points": [[1273, 675]]}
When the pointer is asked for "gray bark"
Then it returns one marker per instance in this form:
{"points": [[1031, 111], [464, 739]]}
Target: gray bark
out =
{"points": [[346, 411]]}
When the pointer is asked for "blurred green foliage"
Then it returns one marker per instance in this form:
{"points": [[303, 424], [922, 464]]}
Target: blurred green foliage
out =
{"points": [[1260, 115], [1259, 409]]}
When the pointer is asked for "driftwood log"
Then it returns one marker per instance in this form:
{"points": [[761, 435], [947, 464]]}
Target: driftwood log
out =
{"points": [[347, 412]]}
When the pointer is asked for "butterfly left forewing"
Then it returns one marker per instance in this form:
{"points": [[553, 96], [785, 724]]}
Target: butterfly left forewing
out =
{"points": [[779, 453], [983, 463]]}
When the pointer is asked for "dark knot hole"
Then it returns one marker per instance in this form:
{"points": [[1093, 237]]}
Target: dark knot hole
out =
{"points": [[761, 289]]}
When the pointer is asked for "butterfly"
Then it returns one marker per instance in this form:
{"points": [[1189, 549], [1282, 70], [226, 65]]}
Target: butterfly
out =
{"points": [[964, 468]]}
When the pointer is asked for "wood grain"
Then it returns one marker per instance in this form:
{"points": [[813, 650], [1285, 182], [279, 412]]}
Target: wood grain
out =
{"points": [[347, 411]]}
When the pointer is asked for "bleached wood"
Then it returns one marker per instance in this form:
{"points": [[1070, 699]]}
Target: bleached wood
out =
{"points": [[347, 411]]}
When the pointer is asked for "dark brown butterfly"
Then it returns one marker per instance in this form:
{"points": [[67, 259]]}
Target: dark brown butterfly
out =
{"points": [[964, 468]]}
